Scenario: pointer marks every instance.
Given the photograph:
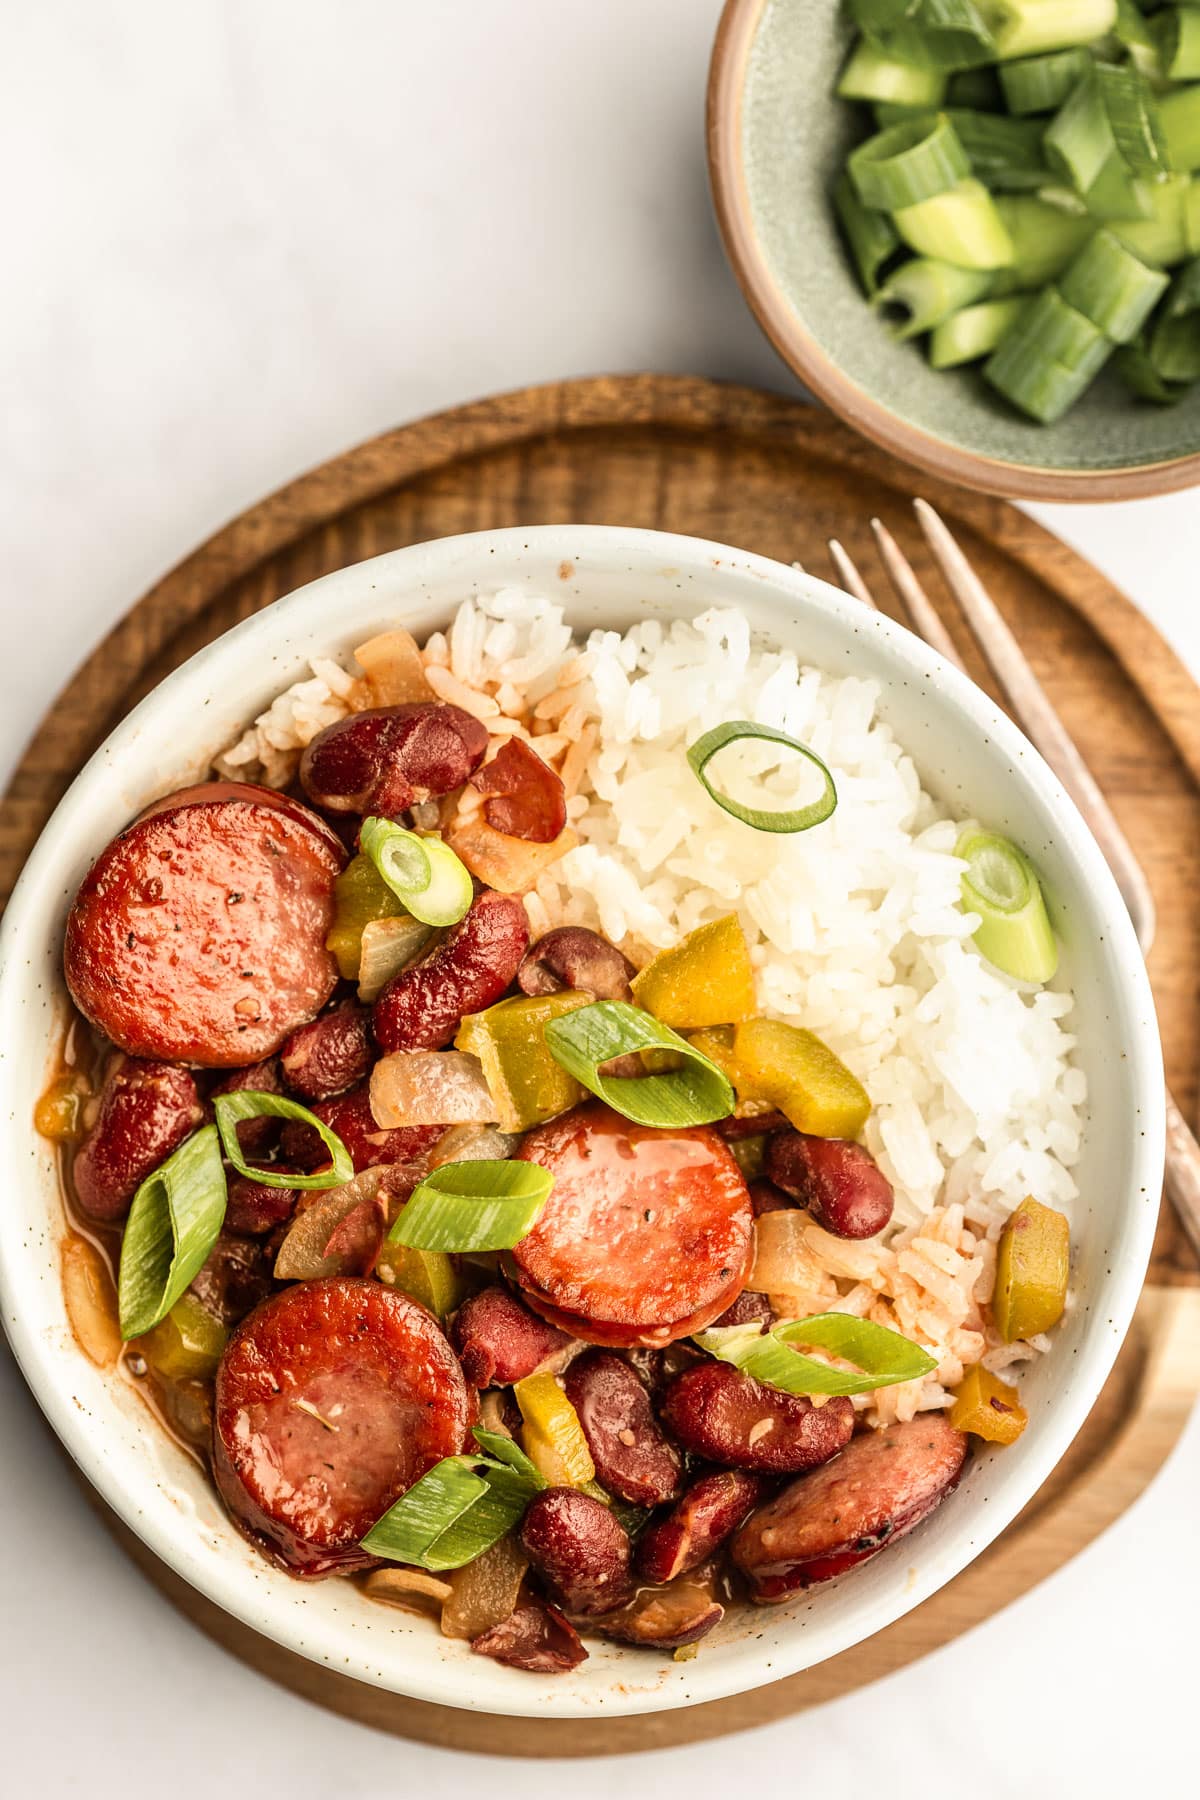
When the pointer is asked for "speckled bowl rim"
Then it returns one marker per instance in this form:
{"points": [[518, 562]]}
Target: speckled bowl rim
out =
{"points": [[807, 358], [614, 573]]}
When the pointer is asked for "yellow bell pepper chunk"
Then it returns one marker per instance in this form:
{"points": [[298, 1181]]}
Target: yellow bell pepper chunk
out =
{"points": [[523, 1078], [552, 1435], [1032, 1266], [801, 1076], [988, 1408], [360, 895], [705, 980], [430, 1276], [187, 1344]]}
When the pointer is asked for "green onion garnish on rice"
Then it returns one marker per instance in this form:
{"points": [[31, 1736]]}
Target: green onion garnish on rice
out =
{"points": [[1001, 885], [762, 818]]}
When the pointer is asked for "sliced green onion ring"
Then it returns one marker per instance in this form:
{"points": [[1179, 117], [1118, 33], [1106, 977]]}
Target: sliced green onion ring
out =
{"points": [[455, 1512], [871, 237], [175, 1219], [249, 1103], [908, 162], [584, 1040], [883, 1356], [424, 873], [924, 291], [1001, 885], [701, 753], [465, 1206]]}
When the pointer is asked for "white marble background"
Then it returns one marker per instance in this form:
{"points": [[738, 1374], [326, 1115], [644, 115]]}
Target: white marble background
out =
{"points": [[240, 236]]}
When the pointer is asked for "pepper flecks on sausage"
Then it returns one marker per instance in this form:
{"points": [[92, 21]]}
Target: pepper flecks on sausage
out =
{"points": [[647, 1235], [332, 1399], [422, 1007], [727, 1417], [881, 1486], [391, 759], [633, 1458], [198, 935]]}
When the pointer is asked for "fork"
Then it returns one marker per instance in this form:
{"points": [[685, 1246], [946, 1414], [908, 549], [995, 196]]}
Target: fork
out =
{"points": [[1032, 708]]}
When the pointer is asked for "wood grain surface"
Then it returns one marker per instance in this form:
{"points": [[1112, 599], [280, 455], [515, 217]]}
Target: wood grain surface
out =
{"points": [[770, 475]]}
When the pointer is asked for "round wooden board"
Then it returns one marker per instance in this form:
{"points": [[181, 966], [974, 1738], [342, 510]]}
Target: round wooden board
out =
{"points": [[770, 475]]}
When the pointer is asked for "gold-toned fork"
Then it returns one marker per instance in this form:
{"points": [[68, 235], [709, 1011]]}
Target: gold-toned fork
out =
{"points": [[1033, 710]]}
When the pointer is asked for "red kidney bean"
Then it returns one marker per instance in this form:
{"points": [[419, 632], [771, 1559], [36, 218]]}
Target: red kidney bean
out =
{"points": [[534, 1637], [388, 760], [252, 1210], [633, 1459], [765, 1197], [256, 1137], [146, 1110], [839, 1182], [735, 1128], [525, 797], [665, 1617], [421, 1008], [579, 1549], [726, 1417], [236, 1277], [748, 1309], [573, 957], [351, 1118], [881, 1486], [331, 1054], [711, 1510], [499, 1340]]}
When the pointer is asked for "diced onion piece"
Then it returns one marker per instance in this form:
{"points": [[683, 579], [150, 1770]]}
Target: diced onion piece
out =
{"points": [[430, 1087], [473, 1143], [91, 1301], [511, 865], [961, 226], [466, 1206], [486, 1591], [783, 1261], [907, 163], [173, 1223], [413, 1589], [315, 1247], [394, 670], [1001, 885], [387, 947]]}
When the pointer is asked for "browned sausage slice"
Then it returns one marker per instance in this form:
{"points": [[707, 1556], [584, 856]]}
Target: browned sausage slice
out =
{"points": [[646, 1236], [331, 1400], [198, 935], [881, 1485]]}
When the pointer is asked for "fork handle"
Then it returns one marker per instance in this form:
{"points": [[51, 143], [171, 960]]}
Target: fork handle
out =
{"points": [[1183, 1172]]}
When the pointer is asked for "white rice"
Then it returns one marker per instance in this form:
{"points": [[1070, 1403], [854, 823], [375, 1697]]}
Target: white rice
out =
{"points": [[855, 929]]}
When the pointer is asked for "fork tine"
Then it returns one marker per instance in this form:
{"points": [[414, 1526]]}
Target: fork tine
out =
{"points": [[848, 575], [920, 607], [1038, 718]]}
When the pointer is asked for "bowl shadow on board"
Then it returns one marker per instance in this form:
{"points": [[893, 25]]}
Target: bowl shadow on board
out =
{"points": [[778, 139]]}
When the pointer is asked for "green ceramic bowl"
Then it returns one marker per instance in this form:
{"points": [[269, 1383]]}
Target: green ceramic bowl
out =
{"points": [[777, 138]]}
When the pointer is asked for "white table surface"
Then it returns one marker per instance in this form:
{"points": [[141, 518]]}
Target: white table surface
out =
{"points": [[241, 236]]}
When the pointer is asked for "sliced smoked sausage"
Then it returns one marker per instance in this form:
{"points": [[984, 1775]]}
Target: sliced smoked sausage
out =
{"points": [[198, 935], [647, 1235], [881, 1485], [331, 1400]]}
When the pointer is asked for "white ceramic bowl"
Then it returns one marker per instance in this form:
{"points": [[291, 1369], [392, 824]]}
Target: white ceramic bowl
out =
{"points": [[967, 752]]}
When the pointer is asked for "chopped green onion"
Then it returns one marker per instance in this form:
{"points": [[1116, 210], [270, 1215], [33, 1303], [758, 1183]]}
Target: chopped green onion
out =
{"points": [[422, 872], [883, 1356], [1047, 361], [974, 332], [1044, 237], [1112, 109], [173, 1223], [948, 34], [1161, 239], [908, 163], [1031, 27], [1005, 153], [973, 87], [960, 226], [1179, 116], [1134, 365], [584, 1040], [454, 1513], [792, 819], [1116, 194], [1001, 885], [871, 236], [1112, 287], [923, 291], [1175, 33], [1175, 347], [872, 75], [465, 1206], [1041, 83], [1134, 30], [248, 1103]]}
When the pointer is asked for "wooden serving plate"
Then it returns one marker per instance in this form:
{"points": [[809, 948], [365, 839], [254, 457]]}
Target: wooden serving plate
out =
{"points": [[770, 475]]}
